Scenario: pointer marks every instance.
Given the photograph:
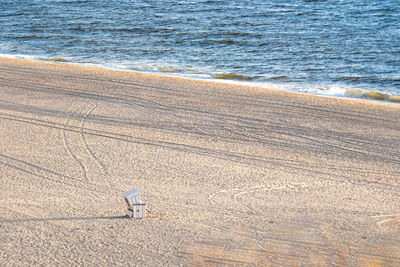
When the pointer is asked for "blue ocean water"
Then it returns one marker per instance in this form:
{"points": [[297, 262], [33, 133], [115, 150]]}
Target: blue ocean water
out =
{"points": [[331, 47]]}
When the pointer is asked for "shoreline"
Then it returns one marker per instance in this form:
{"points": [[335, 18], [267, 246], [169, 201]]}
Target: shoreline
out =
{"points": [[349, 93], [232, 174]]}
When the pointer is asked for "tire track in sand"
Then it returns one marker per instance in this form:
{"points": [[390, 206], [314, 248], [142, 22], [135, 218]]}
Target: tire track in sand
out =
{"points": [[68, 147], [89, 151]]}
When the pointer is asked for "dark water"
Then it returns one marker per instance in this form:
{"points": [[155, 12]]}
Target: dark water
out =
{"points": [[324, 47]]}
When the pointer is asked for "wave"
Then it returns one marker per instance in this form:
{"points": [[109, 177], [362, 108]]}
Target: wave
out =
{"points": [[241, 34], [279, 77], [58, 59], [369, 79], [160, 69], [222, 41], [232, 76], [38, 58], [373, 95], [77, 28]]}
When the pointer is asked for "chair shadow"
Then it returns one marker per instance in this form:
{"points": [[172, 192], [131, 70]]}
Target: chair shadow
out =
{"points": [[65, 219]]}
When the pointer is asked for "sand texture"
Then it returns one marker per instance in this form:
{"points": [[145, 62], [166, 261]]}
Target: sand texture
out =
{"points": [[232, 175]]}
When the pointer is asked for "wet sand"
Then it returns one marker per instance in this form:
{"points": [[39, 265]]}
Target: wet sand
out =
{"points": [[232, 174]]}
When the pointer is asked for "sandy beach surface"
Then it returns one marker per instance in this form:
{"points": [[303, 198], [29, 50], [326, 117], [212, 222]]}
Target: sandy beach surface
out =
{"points": [[233, 175]]}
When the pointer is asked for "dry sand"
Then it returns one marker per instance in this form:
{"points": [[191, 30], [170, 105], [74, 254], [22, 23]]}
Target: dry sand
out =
{"points": [[232, 174]]}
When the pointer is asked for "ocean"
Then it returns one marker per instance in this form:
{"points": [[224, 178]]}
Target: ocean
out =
{"points": [[337, 48]]}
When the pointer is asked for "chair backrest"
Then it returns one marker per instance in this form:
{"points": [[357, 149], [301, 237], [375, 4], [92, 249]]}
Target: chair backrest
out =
{"points": [[132, 197]]}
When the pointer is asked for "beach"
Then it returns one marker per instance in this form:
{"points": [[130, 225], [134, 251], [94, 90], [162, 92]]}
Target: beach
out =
{"points": [[231, 175]]}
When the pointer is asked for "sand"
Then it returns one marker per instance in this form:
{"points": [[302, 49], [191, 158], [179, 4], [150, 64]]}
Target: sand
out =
{"points": [[233, 175]]}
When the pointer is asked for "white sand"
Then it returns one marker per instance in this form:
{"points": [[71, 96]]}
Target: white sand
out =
{"points": [[232, 175]]}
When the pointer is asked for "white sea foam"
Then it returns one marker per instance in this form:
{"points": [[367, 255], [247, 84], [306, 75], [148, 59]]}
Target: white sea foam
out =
{"points": [[21, 56]]}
